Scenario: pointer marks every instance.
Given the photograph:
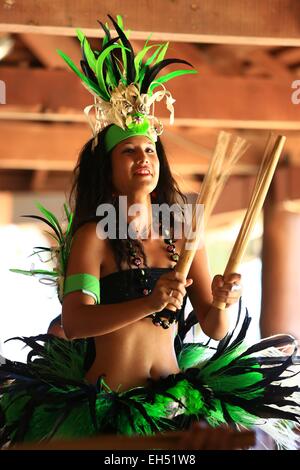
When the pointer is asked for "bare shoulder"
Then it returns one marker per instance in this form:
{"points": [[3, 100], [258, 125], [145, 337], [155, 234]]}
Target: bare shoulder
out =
{"points": [[87, 233], [87, 250]]}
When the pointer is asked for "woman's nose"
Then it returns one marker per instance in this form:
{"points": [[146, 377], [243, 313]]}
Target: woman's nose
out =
{"points": [[142, 156]]}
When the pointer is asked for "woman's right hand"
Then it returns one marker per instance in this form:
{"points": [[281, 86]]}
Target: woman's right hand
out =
{"points": [[169, 289]]}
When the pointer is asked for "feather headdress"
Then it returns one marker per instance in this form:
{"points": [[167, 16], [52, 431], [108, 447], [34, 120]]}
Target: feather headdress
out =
{"points": [[124, 84]]}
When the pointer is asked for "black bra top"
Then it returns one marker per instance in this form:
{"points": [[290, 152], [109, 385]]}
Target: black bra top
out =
{"points": [[125, 285]]}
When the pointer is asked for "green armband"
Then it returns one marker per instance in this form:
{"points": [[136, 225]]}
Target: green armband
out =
{"points": [[85, 283]]}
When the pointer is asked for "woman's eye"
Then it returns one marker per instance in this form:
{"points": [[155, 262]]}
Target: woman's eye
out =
{"points": [[150, 150], [128, 150]]}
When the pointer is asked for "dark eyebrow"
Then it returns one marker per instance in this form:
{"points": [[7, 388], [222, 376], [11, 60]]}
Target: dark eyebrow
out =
{"points": [[126, 145], [151, 144]]}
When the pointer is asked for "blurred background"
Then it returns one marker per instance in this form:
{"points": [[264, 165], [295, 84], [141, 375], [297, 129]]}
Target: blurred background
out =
{"points": [[247, 54]]}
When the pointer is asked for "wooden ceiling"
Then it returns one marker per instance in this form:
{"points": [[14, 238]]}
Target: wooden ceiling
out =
{"points": [[247, 53]]}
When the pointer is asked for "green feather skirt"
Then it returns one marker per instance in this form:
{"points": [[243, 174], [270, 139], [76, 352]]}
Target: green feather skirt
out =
{"points": [[48, 397]]}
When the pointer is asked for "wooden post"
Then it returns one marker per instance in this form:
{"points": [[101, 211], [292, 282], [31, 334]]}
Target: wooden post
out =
{"points": [[280, 275], [6, 208]]}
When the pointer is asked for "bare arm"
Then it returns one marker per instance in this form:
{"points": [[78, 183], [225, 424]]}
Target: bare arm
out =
{"points": [[97, 320], [81, 318]]}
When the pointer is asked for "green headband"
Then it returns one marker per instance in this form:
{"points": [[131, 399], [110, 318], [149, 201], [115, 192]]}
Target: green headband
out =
{"points": [[116, 134]]}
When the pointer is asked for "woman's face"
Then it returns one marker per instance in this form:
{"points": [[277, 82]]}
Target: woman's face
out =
{"points": [[135, 166]]}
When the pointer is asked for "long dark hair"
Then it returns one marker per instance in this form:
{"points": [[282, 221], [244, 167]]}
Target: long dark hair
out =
{"points": [[92, 186]]}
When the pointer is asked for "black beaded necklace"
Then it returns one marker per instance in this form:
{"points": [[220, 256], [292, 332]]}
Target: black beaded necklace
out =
{"points": [[166, 317]]}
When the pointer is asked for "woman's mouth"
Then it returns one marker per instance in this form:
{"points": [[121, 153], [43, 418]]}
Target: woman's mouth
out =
{"points": [[143, 172]]}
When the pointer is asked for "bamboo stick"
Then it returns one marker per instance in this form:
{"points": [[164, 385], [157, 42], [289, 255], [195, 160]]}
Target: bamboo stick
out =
{"points": [[169, 440], [219, 170], [262, 185], [213, 184]]}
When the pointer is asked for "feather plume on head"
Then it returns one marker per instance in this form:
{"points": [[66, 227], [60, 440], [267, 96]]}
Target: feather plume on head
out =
{"points": [[123, 87]]}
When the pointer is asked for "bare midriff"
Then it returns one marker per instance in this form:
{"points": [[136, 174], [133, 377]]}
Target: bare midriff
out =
{"points": [[140, 351], [131, 355]]}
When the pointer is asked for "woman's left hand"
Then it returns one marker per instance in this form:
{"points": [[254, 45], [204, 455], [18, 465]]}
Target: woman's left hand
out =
{"points": [[227, 290]]}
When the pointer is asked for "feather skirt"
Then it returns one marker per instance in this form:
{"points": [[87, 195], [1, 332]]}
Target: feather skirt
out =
{"points": [[48, 397]]}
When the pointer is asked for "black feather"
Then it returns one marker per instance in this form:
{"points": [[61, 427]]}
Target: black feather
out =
{"points": [[116, 71], [153, 71], [274, 341], [224, 343], [130, 72], [105, 29], [46, 222], [88, 72], [108, 44]]}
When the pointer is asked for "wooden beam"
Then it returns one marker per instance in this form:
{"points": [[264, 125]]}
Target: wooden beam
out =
{"points": [[41, 146], [235, 196], [46, 89], [248, 61], [56, 146], [226, 102], [21, 180], [289, 56], [39, 180], [10, 114], [272, 22], [15, 180], [44, 47]]}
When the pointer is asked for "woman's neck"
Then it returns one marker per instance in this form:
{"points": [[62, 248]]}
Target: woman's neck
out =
{"points": [[139, 216]]}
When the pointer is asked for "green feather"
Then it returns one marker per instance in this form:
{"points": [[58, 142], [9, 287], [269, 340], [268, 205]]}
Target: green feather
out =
{"points": [[99, 69], [123, 50], [87, 49], [240, 416], [67, 211], [214, 365], [80, 35], [34, 272], [162, 53], [232, 383], [147, 40], [85, 79], [110, 77], [139, 58], [148, 63], [70, 221], [169, 76], [214, 413], [120, 22], [50, 217], [106, 36], [89, 55], [190, 355]]}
